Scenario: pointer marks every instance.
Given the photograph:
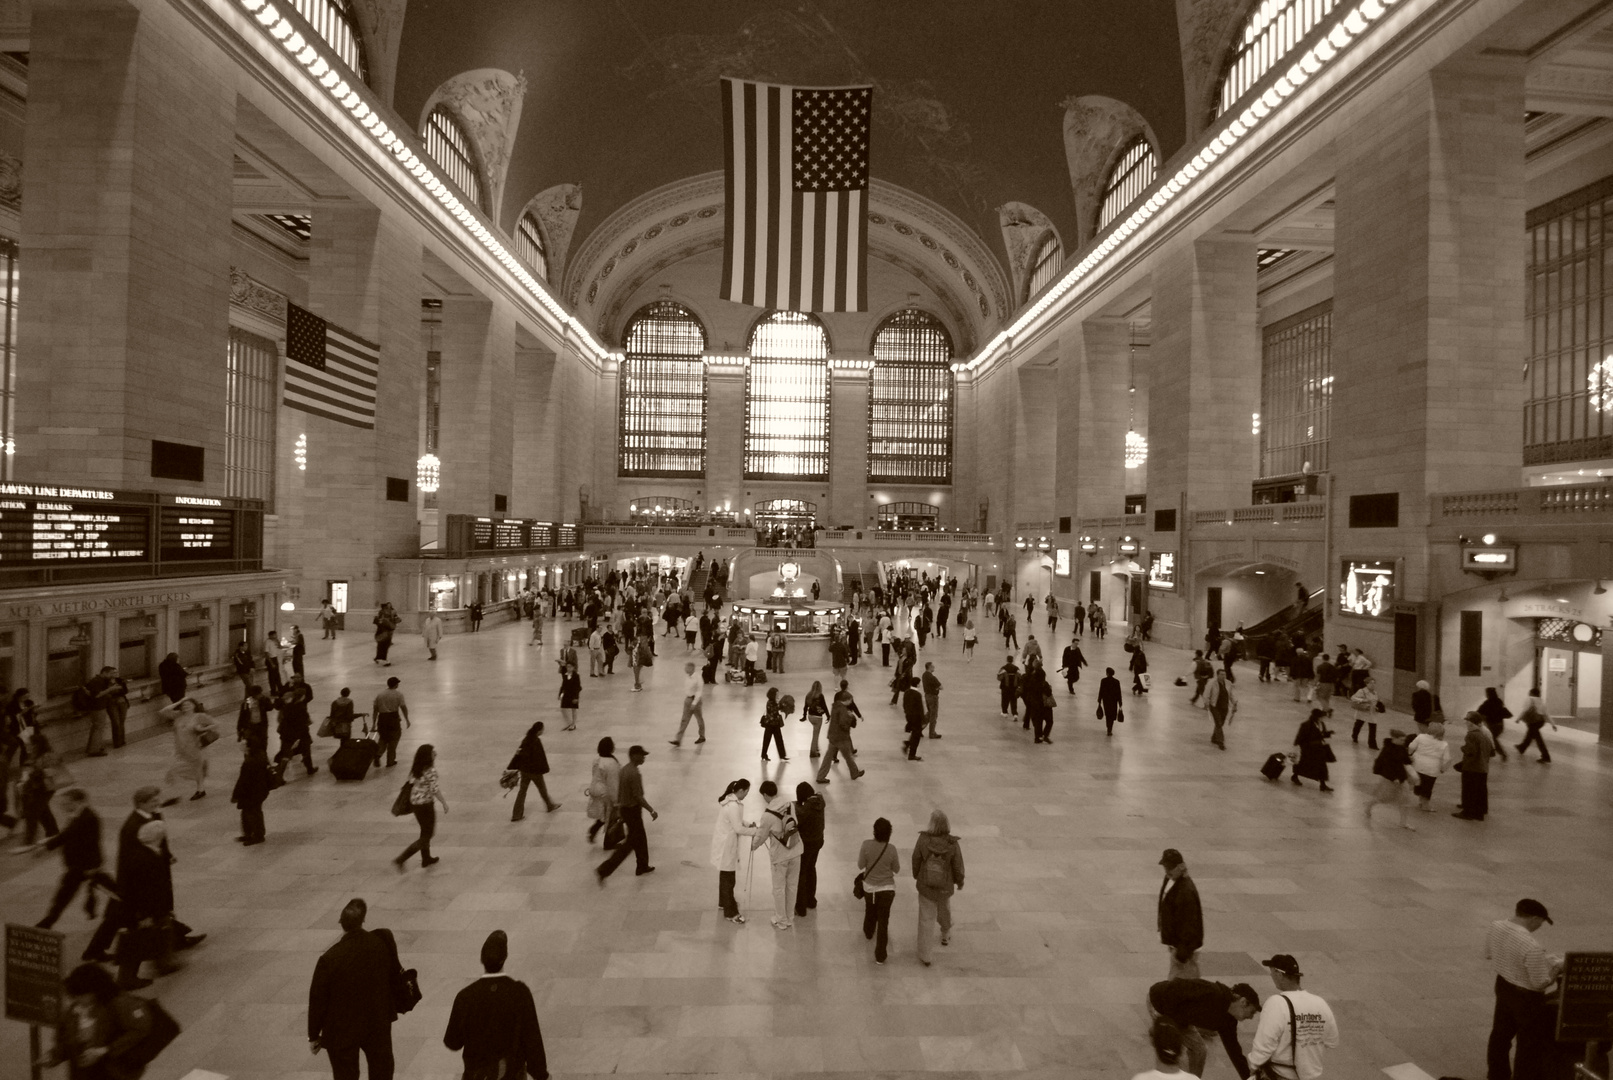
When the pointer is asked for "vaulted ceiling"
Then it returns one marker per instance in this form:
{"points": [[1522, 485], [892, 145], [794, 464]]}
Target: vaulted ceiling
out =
{"points": [[969, 103]]}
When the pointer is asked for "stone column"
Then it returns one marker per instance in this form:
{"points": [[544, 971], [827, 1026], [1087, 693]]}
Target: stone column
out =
{"points": [[533, 431], [1036, 432], [725, 438], [125, 245], [1093, 407], [477, 426], [1428, 323], [848, 450]]}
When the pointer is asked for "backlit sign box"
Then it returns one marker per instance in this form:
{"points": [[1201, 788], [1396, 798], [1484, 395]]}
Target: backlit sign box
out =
{"points": [[1162, 570], [1061, 562], [1489, 558]]}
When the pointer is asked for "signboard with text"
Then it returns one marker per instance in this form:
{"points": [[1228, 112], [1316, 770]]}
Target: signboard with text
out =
{"points": [[33, 973], [1585, 1013]]}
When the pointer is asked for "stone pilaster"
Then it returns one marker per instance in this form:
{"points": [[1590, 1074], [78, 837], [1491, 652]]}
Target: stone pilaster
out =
{"points": [[848, 451], [533, 492], [477, 427]]}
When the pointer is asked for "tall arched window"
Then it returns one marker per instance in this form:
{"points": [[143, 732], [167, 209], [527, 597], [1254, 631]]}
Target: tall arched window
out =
{"points": [[910, 395], [333, 20], [529, 245], [449, 146], [787, 399], [1269, 34], [1133, 172], [1045, 266], [662, 421]]}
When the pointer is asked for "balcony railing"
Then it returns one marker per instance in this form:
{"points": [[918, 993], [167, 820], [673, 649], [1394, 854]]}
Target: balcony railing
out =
{"points": [[1566, 501]]}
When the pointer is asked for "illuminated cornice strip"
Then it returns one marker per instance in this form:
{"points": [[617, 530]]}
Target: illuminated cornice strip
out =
{"points": [[1319, 56], [327, 78]]}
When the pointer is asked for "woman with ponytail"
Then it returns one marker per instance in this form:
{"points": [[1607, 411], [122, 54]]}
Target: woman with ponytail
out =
{"points": [[1168, 1049], [725, 845]]}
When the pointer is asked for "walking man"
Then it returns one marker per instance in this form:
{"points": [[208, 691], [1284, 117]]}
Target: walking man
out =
{"points": [[1181, 917], [1222, 705], [1477, 749], [1071, 664], [1523, 974], [1080, 615], [1109, 699], [80, 841], [841, 720], [495, 1022], [350, 998], [693, 694], [1295, 1026], [1202, 670], [932, 697], [913, 711], [391, 712], [1534, 718], [1203, 1010], [631, 806]]}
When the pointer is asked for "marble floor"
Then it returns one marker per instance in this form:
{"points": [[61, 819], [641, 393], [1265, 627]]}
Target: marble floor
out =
{"points": [[1055, 941]]}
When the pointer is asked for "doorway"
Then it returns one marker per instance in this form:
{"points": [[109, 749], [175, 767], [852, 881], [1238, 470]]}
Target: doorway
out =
{"points": [[1212, 607]]}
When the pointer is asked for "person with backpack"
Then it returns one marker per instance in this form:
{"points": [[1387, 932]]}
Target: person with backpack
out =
{"points": [[809, 807], [781, 832], [877, 865], [938, 871]]}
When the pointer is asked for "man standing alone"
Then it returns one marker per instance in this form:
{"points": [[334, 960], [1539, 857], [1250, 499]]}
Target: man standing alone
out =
{"points": [[1181, 918], [495, 1022], [350, 999], [1523, 975], [932, 697]]}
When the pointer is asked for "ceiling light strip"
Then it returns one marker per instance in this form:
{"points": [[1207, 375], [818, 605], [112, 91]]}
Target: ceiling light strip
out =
{"points": [[327, 76], [1326, 50]]}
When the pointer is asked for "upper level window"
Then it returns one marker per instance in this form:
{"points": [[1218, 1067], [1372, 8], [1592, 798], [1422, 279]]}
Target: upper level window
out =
{"points": [[1132, 174], [333, 20], [910, 401], [1045, 266], [449, 146], [662, 421], [1296, 393], [1269, 34], [787, 399], [529, 245]]}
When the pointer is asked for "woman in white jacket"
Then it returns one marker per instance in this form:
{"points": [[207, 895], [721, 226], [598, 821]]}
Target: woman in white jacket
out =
{"points": [[725, 845], [1430, 756]]}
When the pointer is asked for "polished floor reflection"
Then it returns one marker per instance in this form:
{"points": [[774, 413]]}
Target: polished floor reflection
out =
{"points": [[1054, 945]]}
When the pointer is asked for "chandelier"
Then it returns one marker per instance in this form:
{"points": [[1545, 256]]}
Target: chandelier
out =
{"points": [[1136, 450], [1600, 382], [428, 473]]}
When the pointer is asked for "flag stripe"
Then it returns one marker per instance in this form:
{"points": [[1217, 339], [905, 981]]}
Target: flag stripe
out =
{"points": [[731, 220], [831, 253], [330, 372], [787, 201], [807, 228], [748, 286]]}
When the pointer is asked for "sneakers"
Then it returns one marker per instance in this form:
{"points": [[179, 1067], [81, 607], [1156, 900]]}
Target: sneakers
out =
{"points": [[739, 919]]}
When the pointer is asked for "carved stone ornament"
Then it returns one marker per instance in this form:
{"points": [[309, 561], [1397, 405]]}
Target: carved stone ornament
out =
{"points": [[10, 181], [557, 210], [1024, 228], [1206, 29], [253, 295], [380, 28], [1096, 130], [487, 102]]}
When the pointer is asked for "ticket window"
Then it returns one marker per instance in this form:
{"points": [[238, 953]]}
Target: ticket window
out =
{"points": [[243, 627], [67, 659], [137, 640], [8, 648], [194, 628]]}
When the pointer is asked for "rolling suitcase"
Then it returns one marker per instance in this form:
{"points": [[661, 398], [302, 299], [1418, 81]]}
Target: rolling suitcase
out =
{"points": [[1273, 768], [353, 761]]}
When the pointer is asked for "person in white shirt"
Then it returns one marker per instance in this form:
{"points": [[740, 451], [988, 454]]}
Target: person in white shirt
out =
{"points": [[1168, 1050], [596, 654], [731, 825], [1295, 1026], [693, 694], [779, 831], [1523, 974]]}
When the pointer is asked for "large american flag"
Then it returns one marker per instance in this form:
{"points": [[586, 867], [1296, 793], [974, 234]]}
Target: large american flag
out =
{"points": [[797, 195], [329, 372]]}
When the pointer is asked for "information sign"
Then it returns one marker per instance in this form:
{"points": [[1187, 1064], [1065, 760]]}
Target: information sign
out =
{"points": [[35, 531], [33, 973], [193, 533], [1585, 1013]]}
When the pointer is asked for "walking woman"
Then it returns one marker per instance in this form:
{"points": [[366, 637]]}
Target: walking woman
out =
{"points": [[424, 794], [1430, 756], [1314, 753], [731, 825], [938, 870], [773, 725], [570, 694], [532, 763], [604, 787], [879, 864], [193, 731], [815, 710], [1393, 769], [1139, 668]]}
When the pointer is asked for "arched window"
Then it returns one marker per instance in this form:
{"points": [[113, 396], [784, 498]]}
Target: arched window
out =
{"points": [[333, 20], [1045, 266], [449, 146], [910, 401], [1130, 177], [1269, 34], [787, 399], [529, 245], [662, 420]]}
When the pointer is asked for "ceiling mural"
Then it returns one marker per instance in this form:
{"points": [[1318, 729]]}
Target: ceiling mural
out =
{"points": [[623, 97]]}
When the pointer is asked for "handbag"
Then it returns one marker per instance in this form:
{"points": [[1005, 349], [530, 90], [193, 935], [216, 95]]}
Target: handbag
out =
{"points": [[857, 888], [508, 779], [405, 982], [402, 806], [207, 736], [615, 832], [325, 730], [1268, 1070]]}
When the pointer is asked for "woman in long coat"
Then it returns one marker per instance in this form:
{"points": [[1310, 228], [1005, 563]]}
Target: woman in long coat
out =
{"points": [[604, 786], [1314, 753], [190, 722]]}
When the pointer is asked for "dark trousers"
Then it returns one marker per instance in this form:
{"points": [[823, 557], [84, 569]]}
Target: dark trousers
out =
{"points": [[1198, 687], [528, 778], [877, 919], [637, 843], [252, 826], [296, 661], [72, 878], [884, 655], [1534, 737], [775, 735], [381, 649], [294, 741], [1372, 732], [725, 893], [806, 892], [426, 815], [1525, 1016], [914, 737], [386, 741], [377, 1055], [117, 711], [1080, 624], [1475, 794], [1044, 723], [1110, 711], [1010, 702], [36, 815]]}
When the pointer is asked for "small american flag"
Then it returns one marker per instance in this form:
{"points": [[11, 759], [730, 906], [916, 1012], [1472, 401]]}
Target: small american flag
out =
{"points": [[329, 372], [797, 195]]}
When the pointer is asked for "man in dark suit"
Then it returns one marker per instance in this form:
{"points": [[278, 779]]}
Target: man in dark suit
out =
{"points": [[1181, 918], [350, 999], [147, 804], [146, 889], [80, 842], [495, 1022]]}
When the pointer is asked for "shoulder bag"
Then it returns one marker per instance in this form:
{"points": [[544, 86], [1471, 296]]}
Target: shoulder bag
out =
{"points": [[402, 805], [1268, 1071], [857, 888], [405, 982]]}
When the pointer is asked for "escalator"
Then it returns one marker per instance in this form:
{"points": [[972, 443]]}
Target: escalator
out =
{"points": [[1299, 625]]}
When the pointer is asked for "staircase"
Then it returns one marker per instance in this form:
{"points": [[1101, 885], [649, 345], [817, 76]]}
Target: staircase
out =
{"points": [[1298, 625]]}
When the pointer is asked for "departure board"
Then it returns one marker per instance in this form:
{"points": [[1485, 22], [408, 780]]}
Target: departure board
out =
{"points": [[60, 530], [196, 533]]}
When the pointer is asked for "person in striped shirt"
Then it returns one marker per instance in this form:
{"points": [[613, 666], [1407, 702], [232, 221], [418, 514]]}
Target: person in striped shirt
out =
{"points": [[1523, 974]]}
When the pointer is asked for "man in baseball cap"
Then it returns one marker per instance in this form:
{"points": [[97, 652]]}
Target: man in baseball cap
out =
{"points": [[1295, 1026], [1181, 918], [631, 804], [1524, 972]]}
